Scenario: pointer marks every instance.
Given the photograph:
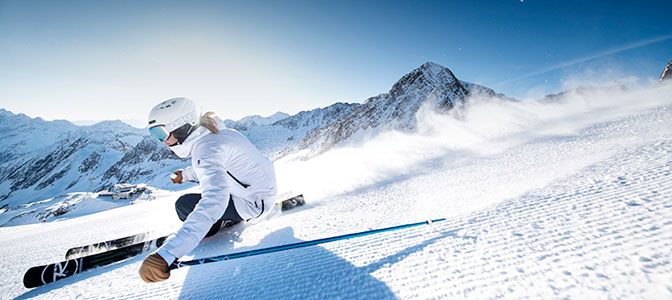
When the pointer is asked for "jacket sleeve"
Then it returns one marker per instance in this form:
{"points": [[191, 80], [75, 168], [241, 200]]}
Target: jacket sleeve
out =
{"points": [[214, 200], [188, 174]]}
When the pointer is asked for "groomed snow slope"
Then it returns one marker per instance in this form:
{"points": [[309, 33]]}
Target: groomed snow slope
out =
{"points": [[571, 200]]}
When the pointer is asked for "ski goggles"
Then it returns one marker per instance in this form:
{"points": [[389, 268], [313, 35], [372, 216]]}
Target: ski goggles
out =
{"points": [[159, 132]]}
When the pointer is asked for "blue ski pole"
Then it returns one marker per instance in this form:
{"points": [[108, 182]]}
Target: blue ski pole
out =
{"points": [[180, 264]]}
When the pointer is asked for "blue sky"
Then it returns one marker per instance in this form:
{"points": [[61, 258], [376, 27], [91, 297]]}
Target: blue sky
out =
{"points": [[95, 60]]}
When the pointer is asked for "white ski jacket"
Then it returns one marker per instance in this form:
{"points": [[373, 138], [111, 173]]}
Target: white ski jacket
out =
{"points": [[227, 165]]}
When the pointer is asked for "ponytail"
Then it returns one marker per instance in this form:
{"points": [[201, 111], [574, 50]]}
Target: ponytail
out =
{"points": [[208, 121]]}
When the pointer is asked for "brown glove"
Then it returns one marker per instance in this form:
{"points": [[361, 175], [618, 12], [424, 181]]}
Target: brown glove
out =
{"points": [[176, 177], [154, 269]]}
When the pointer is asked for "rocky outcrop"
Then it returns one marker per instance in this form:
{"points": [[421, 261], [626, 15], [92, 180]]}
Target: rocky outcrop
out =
{"points": [[667, 72]]}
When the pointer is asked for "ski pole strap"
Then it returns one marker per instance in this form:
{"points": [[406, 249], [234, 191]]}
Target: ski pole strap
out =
{"points": [[180, 264]]}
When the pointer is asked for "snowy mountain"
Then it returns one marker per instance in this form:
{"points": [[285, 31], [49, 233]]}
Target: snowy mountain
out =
{"points": [[45, 162], [431, 86], [133, 122], [43, 159], [148, 162], [48, 159], [58, 157], [667, 72], [569, 199], [24, 135], [273, 137]]}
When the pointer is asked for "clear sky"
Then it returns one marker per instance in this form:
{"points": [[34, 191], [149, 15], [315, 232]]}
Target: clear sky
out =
{"points": [[97, 60]]}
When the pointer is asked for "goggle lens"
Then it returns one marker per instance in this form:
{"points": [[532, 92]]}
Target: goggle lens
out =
{"points": [[159, 132]]}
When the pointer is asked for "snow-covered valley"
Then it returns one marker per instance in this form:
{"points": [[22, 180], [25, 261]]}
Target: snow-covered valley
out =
{"points": [[569, 199]]}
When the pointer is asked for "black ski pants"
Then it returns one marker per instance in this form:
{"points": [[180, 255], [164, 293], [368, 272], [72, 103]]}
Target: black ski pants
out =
{"points": [[186, 204]]}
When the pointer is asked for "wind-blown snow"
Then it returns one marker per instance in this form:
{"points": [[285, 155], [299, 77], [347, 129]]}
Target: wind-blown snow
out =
{"points": [[570, 199], [474, 133]]}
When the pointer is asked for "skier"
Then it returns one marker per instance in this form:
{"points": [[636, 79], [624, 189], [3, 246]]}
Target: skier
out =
{"points": [[238, 183]]}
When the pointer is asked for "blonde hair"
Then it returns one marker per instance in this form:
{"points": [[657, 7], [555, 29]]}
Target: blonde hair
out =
{"points": [[208, 121]]}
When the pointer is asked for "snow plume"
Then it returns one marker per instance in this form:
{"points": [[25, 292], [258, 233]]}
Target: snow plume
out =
{"points": [[481, 129]]}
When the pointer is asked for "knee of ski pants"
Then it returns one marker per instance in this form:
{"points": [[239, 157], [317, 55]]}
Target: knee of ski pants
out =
{"points": [[186, 204]]}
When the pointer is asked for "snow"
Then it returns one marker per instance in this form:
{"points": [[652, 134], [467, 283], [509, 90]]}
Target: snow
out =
{"points": [[570, 199], [67, 206]]}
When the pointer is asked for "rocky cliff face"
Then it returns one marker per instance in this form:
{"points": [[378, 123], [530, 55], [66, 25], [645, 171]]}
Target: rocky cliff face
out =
{"points": [[667, 72]]}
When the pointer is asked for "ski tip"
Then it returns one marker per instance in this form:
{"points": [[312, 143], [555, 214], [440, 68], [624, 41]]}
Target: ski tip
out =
{"points": [[33, 277], [72, 253], [292, 202]]}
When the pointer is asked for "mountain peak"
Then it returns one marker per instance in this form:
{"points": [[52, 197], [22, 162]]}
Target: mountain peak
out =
{"points": [[432, 66], [430, 76], [430, 85], [434, 69]]}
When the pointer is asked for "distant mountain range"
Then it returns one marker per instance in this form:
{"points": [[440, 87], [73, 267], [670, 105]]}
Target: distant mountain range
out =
{"points": [[43, 159]]}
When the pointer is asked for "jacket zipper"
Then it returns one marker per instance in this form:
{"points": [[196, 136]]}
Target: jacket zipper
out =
{"points": [[238, 181]]}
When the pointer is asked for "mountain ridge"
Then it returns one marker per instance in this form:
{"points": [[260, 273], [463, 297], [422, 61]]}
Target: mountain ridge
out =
{"points": [[61, 157], [430, 85]]}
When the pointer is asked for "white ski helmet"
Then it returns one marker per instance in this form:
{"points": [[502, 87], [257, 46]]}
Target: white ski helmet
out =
{"points": [[170, 115]]}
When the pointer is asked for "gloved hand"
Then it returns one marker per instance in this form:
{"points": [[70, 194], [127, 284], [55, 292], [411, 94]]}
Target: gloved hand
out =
{"points": [[154, 269], [176, 177]]}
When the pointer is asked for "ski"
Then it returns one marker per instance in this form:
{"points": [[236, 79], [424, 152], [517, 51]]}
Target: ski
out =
{"points": [[41, 275], [101, 254], [91, 249], [292, 203]]}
